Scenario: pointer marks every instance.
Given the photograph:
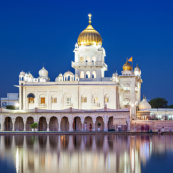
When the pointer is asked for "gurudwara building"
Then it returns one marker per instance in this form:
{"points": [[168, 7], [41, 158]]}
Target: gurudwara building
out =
{"points": [[83, 100]]}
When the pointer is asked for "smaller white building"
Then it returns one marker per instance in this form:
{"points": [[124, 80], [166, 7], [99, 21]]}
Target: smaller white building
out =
{"points": [[11, 99]]}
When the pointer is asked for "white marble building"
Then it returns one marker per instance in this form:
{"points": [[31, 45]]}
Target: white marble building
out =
{"points": [[87, 88]]}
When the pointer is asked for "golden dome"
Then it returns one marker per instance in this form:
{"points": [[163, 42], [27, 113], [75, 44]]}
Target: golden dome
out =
{"points": [[89, 36], [127, 66]]}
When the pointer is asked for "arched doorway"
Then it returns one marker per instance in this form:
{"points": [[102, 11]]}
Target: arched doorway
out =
{"points": [[111, 127], [19, 125], [64, 124], [77, 124], [42, 126], [99, 124], [8, 124], [53, 124], [88, 124], [29, 121]]}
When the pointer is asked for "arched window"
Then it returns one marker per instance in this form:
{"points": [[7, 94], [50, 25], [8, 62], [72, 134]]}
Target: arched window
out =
{"points": [[87, 74], [87, 59], [84, 99], [93, 74], [81, 59], [31, 97], [54, 99], [81, 74], [93, 59]]}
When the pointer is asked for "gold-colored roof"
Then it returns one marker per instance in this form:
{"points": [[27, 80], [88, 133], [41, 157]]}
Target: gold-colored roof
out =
{"points": [[89, 36], [127, 66]]}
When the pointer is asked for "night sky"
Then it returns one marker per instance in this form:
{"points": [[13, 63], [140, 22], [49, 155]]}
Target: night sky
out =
{"points": [[34, 32]]}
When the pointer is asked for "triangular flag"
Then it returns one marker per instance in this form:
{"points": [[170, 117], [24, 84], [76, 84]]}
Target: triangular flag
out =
{"points": [[130, 60]]}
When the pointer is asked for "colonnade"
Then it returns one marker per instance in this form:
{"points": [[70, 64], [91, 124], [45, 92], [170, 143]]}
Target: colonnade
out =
{"points": [[54, 123]]}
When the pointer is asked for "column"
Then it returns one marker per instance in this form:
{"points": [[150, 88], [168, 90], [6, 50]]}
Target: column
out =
{"points": [[71, 125], [82, 121], [94, 121], [13, 122], [59, 125], [2, 125], [24, 125], [105, 123], [47, 125]]}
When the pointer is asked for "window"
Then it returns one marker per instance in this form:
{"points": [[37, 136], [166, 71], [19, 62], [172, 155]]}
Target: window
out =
{"points": [[84, 99], [31, 100], [42, 100], [107, 100], [69, 101], [95, 100], [54, 100]]}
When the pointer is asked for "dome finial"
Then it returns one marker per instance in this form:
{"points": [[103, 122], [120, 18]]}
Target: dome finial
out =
{"points": [[89, 15]]}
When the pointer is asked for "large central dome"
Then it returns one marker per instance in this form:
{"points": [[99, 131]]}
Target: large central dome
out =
{"points": [[89, 36]]}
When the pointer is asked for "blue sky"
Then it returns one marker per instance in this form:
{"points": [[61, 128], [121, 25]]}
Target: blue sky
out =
{"points": [[39, 31]]}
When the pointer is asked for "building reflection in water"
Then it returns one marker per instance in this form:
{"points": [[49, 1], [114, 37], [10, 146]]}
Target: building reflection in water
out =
{"points": [[80, 154]]}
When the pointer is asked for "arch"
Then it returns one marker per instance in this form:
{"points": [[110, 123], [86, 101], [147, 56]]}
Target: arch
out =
{"points": [[77, 124], [93, 74], [111, 126], [19, 125], [87, 74], [84, 98], [82, 74], [8, 124], [99, 119], [88, 123], [67, 99], [29, 121], [64, 124], [53, 124], [106, 99], [53, 98], [87, 59], [93, 59], [42, 125], [30, 97], [81, 59]]}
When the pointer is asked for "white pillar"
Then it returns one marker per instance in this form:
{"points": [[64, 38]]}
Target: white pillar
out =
{"points": [[13, 122], [82, 121], [47, 125], [2, 125], [94, 121], [59, 125], [70, 125], [105, 123], [24, 125]]}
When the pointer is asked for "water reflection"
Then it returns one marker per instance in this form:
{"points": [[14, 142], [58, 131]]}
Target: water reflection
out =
{"points": [[80, 154]]}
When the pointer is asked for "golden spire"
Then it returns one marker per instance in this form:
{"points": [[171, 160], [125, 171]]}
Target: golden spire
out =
{"points": [[89, 15]]}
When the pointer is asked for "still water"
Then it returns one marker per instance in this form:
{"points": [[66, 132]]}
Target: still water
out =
{"points": [[86, 154]]}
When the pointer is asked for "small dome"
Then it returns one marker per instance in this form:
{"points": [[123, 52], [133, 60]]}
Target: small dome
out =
{"points": [[68, 73], [43, 72], [127, 66], [137, 68], [22, 73], [115, 74], [144, 105], [60, 75], [89, 36]]}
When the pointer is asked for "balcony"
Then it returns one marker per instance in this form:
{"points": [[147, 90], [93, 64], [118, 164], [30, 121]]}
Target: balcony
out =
{"points": [[89, 64]]}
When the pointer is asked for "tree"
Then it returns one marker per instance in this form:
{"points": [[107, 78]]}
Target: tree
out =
{"points": [[34, 125], [158, 103], [170, 106], [10, 107]]}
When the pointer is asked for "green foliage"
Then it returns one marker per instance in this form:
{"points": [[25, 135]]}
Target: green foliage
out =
{"points": [[170, 106], [10, 107], [98, 124], [158, 103], [34, 125]]}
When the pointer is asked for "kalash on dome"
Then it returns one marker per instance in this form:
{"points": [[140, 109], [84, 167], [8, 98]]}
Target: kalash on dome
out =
{"points": [[85, 94]]}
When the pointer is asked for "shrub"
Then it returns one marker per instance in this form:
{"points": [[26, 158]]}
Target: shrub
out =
{"points": [[34, 125]]}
